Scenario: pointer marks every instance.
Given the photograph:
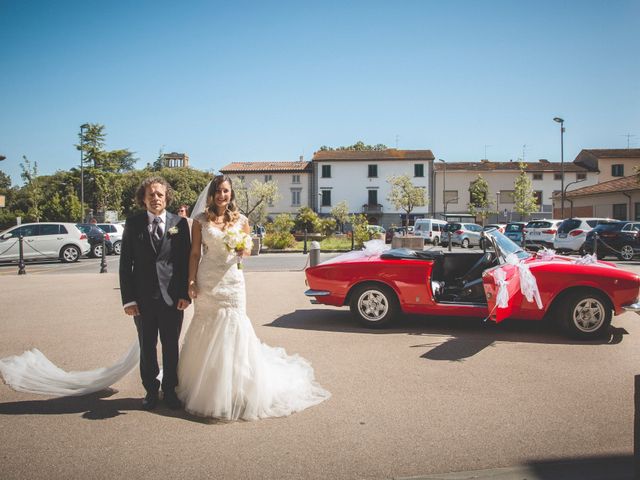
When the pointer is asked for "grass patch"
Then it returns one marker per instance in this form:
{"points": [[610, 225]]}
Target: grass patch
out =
{"points": [[331, 243]]}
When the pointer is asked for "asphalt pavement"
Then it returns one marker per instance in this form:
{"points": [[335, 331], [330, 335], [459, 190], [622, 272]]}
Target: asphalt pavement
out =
{"points": [[430, 398]]}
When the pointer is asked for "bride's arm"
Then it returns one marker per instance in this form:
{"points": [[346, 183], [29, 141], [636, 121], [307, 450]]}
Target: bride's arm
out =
{"points": [[194, 257], [246, 229]]}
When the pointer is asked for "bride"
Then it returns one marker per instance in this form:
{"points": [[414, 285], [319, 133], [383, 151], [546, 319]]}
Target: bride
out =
{"points": [[224, 370]]}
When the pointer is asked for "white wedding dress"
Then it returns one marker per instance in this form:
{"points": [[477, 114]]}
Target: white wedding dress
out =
{"points": [[224, 370]]}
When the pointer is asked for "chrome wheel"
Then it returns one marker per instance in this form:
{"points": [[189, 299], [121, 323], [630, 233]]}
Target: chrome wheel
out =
{"points": [[97, 250], [373, 305], [117, 247], [465, 243], [70, 254], [626, 252], [588, 315]]}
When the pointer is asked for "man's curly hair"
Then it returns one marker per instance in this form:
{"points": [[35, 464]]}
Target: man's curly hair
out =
{"points": [[142, 190]]}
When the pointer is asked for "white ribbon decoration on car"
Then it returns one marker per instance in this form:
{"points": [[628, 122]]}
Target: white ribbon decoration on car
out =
{"points": [[528, 284], [546, 254], [370, 249], [502, 297]]}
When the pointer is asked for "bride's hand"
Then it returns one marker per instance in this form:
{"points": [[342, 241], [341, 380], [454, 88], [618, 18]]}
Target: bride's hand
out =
{"points": [[193, 290]]}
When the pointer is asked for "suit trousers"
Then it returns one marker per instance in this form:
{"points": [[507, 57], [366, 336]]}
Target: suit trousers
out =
{"points": [[157, 317]]}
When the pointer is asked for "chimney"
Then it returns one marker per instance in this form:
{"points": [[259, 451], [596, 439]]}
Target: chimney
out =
{"points": [[302, 158]]}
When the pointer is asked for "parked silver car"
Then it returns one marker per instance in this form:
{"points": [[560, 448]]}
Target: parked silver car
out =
{"points": [[466, 235], [115, 234], [42, 241]]}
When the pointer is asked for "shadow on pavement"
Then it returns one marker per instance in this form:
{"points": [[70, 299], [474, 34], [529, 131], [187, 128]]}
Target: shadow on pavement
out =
{"points": [[96, 406], [467, 337], [606, 467]]}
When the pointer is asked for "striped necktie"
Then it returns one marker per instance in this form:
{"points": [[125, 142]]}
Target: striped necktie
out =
{"points": [[156, 233]]}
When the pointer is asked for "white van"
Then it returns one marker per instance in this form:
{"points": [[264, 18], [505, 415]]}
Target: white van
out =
{"points": [[430, 229]]}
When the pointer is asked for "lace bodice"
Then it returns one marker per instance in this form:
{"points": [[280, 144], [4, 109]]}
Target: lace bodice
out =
{"points": [[214, 249]]}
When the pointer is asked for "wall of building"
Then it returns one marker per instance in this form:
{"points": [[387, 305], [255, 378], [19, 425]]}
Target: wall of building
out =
{"points": [[602, 206], [501, 181], [285, 187], [350, 182], [604, 165]]}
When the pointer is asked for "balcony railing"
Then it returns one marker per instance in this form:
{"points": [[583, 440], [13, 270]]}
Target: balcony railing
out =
{"points": [[369, 208]]}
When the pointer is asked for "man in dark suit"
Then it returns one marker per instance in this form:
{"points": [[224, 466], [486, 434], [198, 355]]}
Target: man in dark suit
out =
{"points": [[154, 264]]}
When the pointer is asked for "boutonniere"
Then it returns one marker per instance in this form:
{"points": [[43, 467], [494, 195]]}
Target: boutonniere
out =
{"points": [[173, 231]]}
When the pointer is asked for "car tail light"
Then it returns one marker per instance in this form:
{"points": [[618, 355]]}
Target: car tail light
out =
{"points": [[83, 236], [575, 233], [549, 232], [106, 237], [458, 232]]}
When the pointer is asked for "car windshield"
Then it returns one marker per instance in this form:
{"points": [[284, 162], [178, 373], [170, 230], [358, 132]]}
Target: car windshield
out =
{"points": [[514, 227], [506, 246]]}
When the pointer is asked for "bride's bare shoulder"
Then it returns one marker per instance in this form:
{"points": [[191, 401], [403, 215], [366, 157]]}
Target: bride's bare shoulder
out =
{"points": [[202, 218]]}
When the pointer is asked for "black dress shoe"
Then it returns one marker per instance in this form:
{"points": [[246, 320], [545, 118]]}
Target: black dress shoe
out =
{"points": [[150, 401], [172, 400]]}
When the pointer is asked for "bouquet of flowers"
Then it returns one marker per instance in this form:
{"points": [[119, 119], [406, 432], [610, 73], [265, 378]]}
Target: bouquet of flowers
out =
{"points": [[237, 242]]}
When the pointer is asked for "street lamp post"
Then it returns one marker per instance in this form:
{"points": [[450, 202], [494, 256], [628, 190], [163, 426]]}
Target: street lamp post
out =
{"points": [[565, 193], [561, 122], [82, 127], [498, 206], [444, 186]]}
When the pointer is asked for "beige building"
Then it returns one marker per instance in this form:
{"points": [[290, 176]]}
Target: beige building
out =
{"points": [[610, 163], [293, 180], [452, 181], [618, 198], [617, 193], [175, 160]]}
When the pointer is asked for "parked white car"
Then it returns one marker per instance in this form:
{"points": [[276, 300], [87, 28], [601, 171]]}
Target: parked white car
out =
{"points": [[430, 229], [572, 233], [541, 233], [42, 241], [115, 231]]}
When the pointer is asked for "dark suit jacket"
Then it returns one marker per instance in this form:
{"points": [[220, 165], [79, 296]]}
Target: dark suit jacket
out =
{"points": [[143, 270]]}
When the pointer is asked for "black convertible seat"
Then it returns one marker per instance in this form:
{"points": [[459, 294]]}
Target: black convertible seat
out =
{"points": [[405, 253]]}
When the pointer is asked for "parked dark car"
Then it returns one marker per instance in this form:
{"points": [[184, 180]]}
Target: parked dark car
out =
{"points": [[393, 231], [620, 239], [513, 231], [94, 235]]}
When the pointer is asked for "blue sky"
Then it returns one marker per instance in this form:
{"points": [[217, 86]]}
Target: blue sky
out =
{"points": [[270, 81]]}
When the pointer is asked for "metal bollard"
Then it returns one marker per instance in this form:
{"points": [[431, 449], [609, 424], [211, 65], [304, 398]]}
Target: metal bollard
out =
{"points": [[304, 250], [449, 245], [103, 262], [353, 239], [21, 270], [314, 254]]}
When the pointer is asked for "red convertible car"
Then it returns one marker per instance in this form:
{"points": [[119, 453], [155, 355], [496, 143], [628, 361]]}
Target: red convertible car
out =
{"points": [[501, 282]]}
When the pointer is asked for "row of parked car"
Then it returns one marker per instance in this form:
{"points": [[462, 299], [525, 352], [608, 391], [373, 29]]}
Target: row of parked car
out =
{"points": [[64, 241], [616, 238]]}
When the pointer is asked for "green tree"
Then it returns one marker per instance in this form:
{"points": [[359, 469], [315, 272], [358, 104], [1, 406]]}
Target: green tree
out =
{"points": [[32, 189], [359, 146], [278, 234], [405, 195], [103, 190], [523, 194], [341, 213], [480, 203], [327, 226], [359, 230], [307, 219], [254, 198]]}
